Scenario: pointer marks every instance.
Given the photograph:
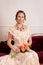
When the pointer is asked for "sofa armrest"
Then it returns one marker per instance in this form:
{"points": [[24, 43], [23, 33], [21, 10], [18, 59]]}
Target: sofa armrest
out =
{"points": [[37, 43]]}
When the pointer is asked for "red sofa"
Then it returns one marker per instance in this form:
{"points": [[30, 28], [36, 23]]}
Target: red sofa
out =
{"points": [[37, 45]]}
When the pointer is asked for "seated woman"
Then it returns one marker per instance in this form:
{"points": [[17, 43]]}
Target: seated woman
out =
{"points": [[20, 54]]}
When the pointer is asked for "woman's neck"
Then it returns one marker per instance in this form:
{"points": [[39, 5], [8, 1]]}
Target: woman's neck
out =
{"points": [[19, 25]]}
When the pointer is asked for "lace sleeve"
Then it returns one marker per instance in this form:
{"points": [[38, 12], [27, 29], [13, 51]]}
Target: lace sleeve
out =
{"points": [[12, 31]]}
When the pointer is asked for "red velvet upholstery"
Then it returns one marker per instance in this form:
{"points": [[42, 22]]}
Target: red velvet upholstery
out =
{"points": [[2, 54], [4, 49], [37, 45]]}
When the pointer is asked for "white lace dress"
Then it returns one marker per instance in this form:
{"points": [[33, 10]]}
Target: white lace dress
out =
{"points": [[27, 58]]}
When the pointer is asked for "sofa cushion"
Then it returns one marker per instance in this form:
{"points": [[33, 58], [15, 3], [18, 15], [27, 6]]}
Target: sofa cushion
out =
{"points": [[2, 54], [40, 54]]}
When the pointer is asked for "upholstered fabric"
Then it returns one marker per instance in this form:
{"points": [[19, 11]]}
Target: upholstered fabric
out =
{"points": [[37, 45]]}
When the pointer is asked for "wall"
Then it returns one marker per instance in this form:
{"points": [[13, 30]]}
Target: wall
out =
{"points": [[32, 8]]}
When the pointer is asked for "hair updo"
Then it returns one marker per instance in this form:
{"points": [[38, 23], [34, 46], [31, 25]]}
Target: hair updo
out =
{"points": [[20, 11]]}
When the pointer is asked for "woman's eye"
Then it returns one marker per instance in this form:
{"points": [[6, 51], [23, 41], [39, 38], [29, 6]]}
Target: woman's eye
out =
{"points": [[18, 16], [22, 17]]}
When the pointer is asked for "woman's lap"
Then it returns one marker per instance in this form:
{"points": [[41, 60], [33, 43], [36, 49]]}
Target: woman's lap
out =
{"points": [[26, 58]]}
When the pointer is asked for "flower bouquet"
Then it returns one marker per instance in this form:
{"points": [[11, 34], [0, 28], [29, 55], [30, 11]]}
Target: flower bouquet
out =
{"points": [[24, 48]]}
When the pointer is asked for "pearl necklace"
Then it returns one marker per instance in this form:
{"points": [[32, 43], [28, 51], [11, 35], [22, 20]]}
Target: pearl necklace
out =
{"points": [[20, 28]]}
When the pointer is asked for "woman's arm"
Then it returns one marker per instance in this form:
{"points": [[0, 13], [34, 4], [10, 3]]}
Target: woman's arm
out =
{"points": [[9, 43], [29, 41]]}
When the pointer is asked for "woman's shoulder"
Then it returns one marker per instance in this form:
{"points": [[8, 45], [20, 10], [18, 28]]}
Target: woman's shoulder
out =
{"points": [[12, 27], [27, 26], [11, 30]]}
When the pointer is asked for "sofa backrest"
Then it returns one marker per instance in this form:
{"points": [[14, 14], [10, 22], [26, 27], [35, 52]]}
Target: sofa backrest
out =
{"points": [[37, 43], [4, 47]]}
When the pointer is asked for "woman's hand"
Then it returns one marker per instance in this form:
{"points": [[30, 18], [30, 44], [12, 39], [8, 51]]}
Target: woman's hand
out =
{"points": [[17, 50]]}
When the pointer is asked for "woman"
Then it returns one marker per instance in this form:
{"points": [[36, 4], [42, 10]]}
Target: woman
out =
{"points": [[20, 53]]}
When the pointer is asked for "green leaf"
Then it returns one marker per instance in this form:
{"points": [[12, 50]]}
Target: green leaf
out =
{"points": [[14, 55]]}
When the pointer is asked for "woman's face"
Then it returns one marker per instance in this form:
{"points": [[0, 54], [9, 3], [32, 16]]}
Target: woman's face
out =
{"points": [[20, 18]]}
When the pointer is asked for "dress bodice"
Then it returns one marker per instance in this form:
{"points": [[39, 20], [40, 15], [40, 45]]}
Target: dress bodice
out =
{"points": [[21, 36]]}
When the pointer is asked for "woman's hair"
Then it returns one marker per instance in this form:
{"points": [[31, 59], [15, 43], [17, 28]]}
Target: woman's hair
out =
{"points": [[20, 11]]}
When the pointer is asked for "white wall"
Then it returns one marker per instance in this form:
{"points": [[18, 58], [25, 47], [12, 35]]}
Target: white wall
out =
{"points": [[32, 8]]}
